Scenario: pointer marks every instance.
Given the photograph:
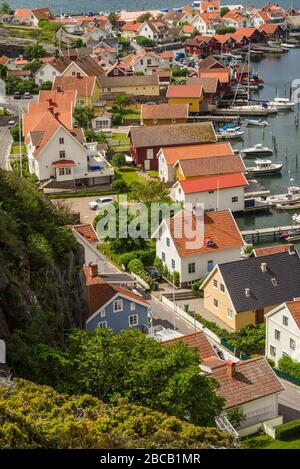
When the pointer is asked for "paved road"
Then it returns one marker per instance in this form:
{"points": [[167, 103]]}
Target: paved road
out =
{"points": [[13, 104], [167, 318], [5, 146], [289, 402]]}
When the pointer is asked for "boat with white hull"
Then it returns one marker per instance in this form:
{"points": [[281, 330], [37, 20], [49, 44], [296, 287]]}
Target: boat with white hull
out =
{"points": [[257, 150], [264, 168], [290, 198], [257, 123], [283, 104]]}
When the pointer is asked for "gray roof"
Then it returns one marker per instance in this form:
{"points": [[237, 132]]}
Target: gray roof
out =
{"points": [[239, 275], [134, 80], [172, 134], [117, 278], [209, 84]]}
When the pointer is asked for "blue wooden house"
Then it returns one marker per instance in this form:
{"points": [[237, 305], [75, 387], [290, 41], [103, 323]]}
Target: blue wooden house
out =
{"points": [[113, 306]]}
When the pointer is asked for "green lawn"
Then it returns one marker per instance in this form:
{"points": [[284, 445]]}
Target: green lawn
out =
{"points": [[120, 136], [266, 442], [125, 143], [15, 149], [153, 173], [132, 114], [129, 175]]}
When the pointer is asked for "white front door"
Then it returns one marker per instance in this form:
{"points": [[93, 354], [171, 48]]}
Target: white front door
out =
{"points": [[147, 165]]}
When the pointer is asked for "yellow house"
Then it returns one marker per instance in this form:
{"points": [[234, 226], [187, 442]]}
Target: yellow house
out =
{"points": [[134, 85], [186, 94], [242, 292], [162, 114], [88, 89]]}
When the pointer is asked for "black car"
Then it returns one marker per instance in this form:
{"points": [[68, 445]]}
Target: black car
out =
{"points": [[154, 273], [17, 95]]}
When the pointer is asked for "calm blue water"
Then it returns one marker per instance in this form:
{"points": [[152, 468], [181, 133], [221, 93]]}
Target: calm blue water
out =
{"points": [[78, 6]]}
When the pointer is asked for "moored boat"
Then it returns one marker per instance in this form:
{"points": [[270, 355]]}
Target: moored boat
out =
{"points": [[282, 103], [264, 168], [257, 123], [290, 198], [257, 150]]}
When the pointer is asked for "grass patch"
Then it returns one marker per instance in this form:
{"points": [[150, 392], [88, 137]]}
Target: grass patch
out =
{"points": [[132, 114], [266, 442], [15, 149], [153, 173], [129, 175]]}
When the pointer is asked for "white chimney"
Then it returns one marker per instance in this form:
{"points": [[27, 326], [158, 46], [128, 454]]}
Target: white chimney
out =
{"points": [[247, 292], [264, 267]]}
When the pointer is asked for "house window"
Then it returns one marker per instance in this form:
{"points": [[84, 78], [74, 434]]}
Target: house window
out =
{"points": [[133, 320], [163, 257], [216, 303], [42, 73], [222, 288], [116, 71], [132, 306], [191, 268], [285, 320], [211, 192], [102, 324], [234, 199], [274, 282], [168, 242], [68, 171], [173, 264], [81, 102], [61, 141], [229, 313], [102, 313], [54, 74], [292, 344], [272, 351], [277, 334], [148, 61], [62, 154], [150, 154], [173, 121], [73, 74], [215, 283], [118, 305], [155, 121], [61, 171]]}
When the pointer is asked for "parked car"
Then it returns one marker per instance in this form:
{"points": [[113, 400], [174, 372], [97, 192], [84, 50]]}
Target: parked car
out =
{"points": [[98, 203], [154, 273], [17, 95], [11, 123], [27, 95]]}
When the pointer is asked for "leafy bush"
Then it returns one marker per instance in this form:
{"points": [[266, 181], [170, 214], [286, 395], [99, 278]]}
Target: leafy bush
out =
{"points": [[118, 160], [117, 118], [145, 256], [289, 366], [286, 430], [136, 266], [119, 185]]}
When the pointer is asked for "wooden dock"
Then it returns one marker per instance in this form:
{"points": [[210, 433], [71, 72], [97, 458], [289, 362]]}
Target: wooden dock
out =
{"points": [[274, 231]]}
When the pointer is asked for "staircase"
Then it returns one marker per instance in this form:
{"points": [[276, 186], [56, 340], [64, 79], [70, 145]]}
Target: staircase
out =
{"points": [[224, 425]]}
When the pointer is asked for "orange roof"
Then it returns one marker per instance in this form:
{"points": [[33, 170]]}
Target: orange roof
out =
{"points": [[248, 32], [83, 85], [63, 163], [20, 62], [268, 28], [188, 28], [294, 308], [219, 228], [133, 26], [263, 14], [189, 152], [202, 37], [197, 340], [87, 231], [23, 12], [222, 181], [267, 250], [223, 74], [167, 55], [4, 60], [210, 17], [184, 91]]}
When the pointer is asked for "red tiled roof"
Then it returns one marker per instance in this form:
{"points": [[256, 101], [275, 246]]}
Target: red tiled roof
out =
{"points": [[134, 26], [189, 152], [4, 60], [88, 232], [268, 28], [263, 14], [164, 111], [223, 181], [188, 28], [199, 167], [83, 85], [294, 308], [184, 91], [219, 227], [223, 74], [253, 379], [266, 251], [197, 340], [63, 163]]}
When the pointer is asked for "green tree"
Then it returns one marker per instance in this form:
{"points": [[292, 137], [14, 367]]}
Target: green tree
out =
{"points": [[47, 85], [118, 160], [225, 30], [113, 19], [144, 17], [83, 116], [34, 65], [34, 51], [78, 43], [145, 42], [5, 8], [153, 191], [224, 10], [117, 118], [119, 185], [143, 371], [122, 102], [3, 72]]}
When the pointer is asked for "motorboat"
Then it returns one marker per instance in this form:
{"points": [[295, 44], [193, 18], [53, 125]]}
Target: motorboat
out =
{"points": [[286, 45], [230, 133], [257, 123], [291, 235], [290, 198], [257, 150], [264, 168], [296, 218], [282, 103]]}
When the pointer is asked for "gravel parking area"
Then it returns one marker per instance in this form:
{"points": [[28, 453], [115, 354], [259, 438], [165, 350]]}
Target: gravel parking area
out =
{"points": [[81, 205]]}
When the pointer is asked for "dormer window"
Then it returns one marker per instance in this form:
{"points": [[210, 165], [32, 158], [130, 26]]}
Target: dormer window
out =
{"points": [[274, 282]]}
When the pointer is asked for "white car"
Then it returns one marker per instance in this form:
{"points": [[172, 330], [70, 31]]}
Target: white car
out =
{"points": [[98, 203]]}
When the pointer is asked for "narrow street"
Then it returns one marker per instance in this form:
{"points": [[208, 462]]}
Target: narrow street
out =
{"points": [[5, 146], [289, 402]]}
